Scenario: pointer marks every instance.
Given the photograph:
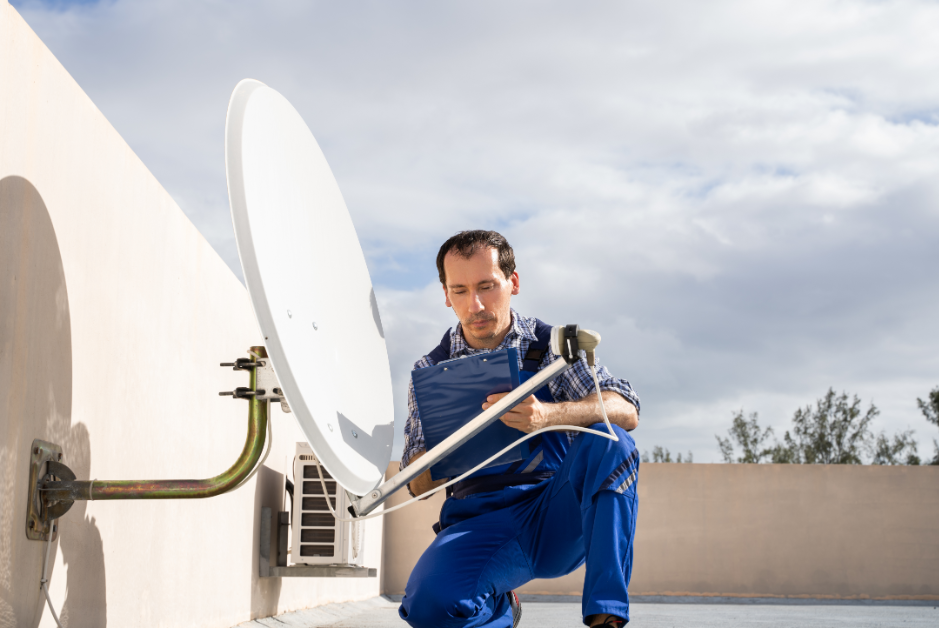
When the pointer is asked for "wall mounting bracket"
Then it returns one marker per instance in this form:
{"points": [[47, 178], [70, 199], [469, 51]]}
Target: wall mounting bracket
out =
{"points": [[39, 515], [53, 487]]}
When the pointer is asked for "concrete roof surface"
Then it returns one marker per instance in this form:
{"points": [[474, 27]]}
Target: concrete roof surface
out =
{"points": [[383, 613]]}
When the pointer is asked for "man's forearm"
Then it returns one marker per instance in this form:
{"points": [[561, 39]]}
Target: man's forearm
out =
{"points": [[586, 411]]}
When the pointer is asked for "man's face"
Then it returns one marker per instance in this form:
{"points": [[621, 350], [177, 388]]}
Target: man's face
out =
{"points": [[480, 296]]}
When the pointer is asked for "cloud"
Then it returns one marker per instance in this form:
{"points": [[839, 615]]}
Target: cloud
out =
{"points": [[740, 196]]}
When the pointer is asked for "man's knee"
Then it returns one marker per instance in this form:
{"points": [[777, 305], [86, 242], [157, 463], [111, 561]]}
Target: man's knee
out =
{"points": [[604, 464], [624, 445], [432, 605]]}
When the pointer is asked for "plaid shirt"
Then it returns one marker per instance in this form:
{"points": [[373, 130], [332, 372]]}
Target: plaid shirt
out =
{"points": [[573, 384]]}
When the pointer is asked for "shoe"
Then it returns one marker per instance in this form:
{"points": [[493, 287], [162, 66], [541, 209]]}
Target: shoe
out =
{"points": [[516, 609], [611, 621]]}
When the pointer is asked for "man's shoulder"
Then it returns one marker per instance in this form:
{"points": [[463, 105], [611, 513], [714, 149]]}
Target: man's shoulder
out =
{"points": [[423, 363]]}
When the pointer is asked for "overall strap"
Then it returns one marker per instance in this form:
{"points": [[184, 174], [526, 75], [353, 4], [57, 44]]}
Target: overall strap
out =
{"points": [[442, 351], [538, 348]]}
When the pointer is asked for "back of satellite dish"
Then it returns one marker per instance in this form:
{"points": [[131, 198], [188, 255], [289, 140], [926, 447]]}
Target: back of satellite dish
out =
{"points": [[310, 286]]}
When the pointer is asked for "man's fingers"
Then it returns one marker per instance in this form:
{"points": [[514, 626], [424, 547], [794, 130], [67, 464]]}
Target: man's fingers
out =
{"points": [[518, 412], [491, 399]]}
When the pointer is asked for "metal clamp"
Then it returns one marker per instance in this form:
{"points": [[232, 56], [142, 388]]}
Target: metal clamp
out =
{"points": [[268, 388]]}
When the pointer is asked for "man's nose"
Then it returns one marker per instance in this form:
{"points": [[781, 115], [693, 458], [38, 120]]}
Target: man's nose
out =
{"points": [[476, 304]]}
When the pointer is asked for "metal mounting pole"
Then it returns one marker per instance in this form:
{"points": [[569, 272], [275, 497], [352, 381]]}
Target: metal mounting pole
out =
{"points": [[58, 495]]}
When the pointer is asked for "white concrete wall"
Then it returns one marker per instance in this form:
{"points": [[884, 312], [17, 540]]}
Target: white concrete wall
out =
{"points": [[114, 315]]}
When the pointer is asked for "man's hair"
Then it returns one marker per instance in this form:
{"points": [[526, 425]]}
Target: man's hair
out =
{"points": [[466, 243]]}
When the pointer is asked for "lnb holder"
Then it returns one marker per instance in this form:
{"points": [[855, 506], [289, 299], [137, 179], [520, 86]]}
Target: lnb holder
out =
{"points": [[570, 350], [568, 341]]}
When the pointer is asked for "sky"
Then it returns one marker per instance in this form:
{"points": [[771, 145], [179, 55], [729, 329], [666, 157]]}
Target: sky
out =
{"points": [[741, 197]]}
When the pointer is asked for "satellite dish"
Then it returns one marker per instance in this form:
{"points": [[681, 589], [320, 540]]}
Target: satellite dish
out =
{"points": [[309, 285]]}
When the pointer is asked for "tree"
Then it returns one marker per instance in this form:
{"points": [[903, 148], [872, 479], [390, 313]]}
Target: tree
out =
{"points": [[930, 410], [662, 454], [749, 436], [834, 432], [900, 450]]}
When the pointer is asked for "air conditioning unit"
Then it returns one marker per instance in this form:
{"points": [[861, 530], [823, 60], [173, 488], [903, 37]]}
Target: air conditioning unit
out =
{"points": [[317, 538]]}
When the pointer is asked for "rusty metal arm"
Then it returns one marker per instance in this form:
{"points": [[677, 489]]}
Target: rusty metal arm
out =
{"points": [[58, 493]]}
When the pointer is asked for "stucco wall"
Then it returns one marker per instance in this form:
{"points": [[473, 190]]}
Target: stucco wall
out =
{"points": [[752, 531], [114, 315]]}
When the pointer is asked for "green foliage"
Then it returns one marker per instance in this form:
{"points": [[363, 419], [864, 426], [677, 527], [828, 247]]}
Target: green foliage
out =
{"points": [[749, 437], [899, 450], [661, 454], [834, 432], [930, 410], [930, 407]]}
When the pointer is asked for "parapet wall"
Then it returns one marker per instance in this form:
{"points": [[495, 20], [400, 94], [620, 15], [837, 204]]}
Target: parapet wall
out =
{"points": [[740, 530]]}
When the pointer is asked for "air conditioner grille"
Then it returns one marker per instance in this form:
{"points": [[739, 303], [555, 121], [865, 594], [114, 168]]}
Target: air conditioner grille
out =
{"points": [[316, 488], [317, 519], [310, 472], [315, 503], [317, 538], [317, 550], [318, 535]]}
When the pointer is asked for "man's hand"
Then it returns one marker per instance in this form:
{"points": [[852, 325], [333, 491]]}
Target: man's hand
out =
{"points": [[423, 483], [528, 416]]}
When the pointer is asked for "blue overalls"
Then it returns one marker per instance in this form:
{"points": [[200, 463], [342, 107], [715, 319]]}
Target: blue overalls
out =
{"points": [[543, 517]]}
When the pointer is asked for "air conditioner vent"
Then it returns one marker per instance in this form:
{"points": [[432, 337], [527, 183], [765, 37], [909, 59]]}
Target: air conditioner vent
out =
{"points": [[317, 538]]}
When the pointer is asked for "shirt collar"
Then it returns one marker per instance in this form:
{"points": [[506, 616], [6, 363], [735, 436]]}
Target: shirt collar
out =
{"points": [[522, 327]]}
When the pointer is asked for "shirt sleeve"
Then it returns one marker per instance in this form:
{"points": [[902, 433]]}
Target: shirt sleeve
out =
{"points": [[577, 382], [413, 431]]}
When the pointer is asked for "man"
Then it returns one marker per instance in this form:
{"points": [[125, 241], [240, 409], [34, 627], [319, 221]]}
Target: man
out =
{"points": [[573, 500]]}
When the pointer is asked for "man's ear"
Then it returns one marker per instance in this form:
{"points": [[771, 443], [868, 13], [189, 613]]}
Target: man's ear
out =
{"points": [[515, 284], [446, 296]]}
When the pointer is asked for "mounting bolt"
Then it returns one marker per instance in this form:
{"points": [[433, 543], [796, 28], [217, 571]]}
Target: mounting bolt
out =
{"points": [[355, 434], [375, 495]]}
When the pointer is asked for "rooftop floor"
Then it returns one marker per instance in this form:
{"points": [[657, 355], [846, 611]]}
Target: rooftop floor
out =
{"points": [[383, 613]]}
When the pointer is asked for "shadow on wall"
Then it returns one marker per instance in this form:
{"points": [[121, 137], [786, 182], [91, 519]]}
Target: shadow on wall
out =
{"points": [[265, 592], [80, 542], [36, 402]]}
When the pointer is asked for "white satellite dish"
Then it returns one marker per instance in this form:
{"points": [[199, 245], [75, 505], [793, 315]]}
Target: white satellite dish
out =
{"points": [[309, 285]]}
